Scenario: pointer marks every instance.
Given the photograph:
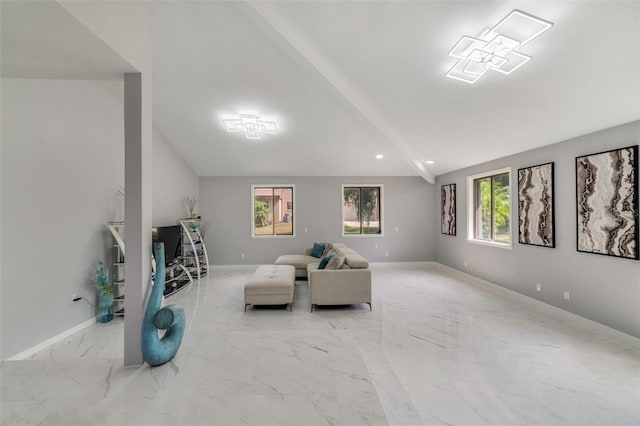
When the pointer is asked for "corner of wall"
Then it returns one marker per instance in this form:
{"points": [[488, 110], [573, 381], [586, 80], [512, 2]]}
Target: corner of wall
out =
{"points": [[173, 179]]}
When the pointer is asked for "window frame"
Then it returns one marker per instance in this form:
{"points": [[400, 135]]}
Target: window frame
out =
{"points": [[253, 206], [471, 209], [362, 185]]}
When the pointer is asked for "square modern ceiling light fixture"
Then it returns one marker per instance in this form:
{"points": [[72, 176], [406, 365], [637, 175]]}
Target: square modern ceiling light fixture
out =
{"points": [[495, 48], [252, 126]]}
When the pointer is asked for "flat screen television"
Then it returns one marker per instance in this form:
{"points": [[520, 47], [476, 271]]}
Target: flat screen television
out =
{"points": [[170, 236]]}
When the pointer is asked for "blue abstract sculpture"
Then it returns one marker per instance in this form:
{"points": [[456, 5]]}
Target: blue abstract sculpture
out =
{"points": [[155, 350]]}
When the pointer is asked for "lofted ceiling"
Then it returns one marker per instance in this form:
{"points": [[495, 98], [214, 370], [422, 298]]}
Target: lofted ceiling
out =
{"points": [[348, 80]]}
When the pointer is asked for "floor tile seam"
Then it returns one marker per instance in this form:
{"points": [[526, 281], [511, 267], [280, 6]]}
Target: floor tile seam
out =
{"points": [[25, 362], [66, 358], [421, 393], [386, 363], [406, 400], [372, 391], [255, 393]]}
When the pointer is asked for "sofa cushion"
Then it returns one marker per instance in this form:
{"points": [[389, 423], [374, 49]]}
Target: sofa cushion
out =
{"points": [[299, 261], [336, 262], [356, 261], [325, 260], [328, 248], [353, 259], [317, 250]]}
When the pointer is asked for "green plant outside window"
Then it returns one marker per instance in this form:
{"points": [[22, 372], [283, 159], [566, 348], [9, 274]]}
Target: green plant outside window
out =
{"points": [[493, 208], [361, 211]]}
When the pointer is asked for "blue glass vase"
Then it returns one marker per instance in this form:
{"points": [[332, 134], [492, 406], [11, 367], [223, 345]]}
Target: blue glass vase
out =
{"points": [[105, 307]]}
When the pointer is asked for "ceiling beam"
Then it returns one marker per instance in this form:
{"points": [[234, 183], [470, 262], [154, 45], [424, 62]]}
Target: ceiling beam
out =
{"points": [[278, 30]]}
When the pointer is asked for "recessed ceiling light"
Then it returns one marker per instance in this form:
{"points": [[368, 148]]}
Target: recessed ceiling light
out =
{"points": [[379, 156], [251, 125], [495, 49], [430, 162]]}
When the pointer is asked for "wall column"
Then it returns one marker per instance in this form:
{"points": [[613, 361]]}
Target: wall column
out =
{"points": [[137, 173]]}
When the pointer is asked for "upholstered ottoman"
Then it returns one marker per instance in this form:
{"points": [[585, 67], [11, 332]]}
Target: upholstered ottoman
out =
{"points": [[270, 285]]}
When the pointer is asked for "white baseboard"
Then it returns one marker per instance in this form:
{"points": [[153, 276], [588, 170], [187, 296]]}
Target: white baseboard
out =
{"points": [[40, 346], [538, 304], [376, 265], [382, 265], [233, 268]]}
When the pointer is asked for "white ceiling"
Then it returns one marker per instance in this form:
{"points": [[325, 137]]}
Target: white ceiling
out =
{"points": [[348, 80]]}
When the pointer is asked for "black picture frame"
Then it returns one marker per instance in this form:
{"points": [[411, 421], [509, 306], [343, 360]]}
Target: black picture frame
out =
{"points": [[536, 205], [607, 203], [448, 209]]}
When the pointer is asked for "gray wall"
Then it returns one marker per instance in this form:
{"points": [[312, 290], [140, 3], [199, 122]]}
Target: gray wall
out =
{"points": [[62, 161], [604, 289], [173, 179], [408, 206]]}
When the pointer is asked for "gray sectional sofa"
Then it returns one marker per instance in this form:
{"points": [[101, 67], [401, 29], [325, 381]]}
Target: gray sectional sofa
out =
{"points": [[349, 285]]}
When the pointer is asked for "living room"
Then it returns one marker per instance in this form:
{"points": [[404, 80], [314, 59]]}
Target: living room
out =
{"points": [[340, 98]]}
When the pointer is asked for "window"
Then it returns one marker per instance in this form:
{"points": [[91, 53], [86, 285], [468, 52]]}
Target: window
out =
{"points": [[362, 210], [490, 207], [272, 208]]}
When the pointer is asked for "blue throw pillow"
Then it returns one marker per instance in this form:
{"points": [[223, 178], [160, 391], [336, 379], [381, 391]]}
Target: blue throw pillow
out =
{"points": [[317, 250], [324, 261]]}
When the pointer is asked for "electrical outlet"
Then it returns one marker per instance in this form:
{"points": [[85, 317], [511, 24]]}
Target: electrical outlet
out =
{"points": [[465, 263], [386, 253], [567, 295], [397, 229], [538, 287], [73, 298], [242, 256], [376, 246], [306, 229]]}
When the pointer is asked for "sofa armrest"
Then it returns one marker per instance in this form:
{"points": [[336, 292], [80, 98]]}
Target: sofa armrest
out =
{"points": [[307, 251], [339, 286]]}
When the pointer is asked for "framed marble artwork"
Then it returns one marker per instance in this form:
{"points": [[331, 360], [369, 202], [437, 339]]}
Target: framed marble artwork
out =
{"points": [[536, 218], [607, 203], [448, 209]]}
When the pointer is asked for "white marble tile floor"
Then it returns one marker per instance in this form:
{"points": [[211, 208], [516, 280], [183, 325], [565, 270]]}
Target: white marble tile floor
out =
{"points": [[437, 349]]}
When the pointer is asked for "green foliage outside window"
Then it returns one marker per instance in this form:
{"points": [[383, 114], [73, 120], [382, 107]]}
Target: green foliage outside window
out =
{"points": [[495, 208], [366, 203], [369, 205], [352, 199], [262, 214]]}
